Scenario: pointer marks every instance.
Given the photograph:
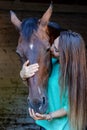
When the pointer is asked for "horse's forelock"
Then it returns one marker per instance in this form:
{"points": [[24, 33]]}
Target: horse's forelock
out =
{"points": [[28, 26]]}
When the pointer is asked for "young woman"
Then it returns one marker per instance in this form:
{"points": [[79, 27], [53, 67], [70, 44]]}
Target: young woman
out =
{"points": [[67, 85]]}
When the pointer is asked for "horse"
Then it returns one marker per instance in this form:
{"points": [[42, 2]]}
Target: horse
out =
{"points": [[34, 45]]}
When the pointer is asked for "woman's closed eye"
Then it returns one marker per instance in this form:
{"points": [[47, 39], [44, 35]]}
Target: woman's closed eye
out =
{"points": [[56, 49]]}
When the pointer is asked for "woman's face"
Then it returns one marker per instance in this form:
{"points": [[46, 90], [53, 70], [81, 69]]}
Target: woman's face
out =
{"points": [[54, 48]]}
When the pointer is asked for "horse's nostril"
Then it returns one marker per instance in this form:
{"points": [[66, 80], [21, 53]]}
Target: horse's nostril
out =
{"points": [[43, 100]]}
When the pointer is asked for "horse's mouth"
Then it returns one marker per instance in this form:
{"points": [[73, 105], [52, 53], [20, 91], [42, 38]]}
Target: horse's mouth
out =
{"points": [[39, 107]]}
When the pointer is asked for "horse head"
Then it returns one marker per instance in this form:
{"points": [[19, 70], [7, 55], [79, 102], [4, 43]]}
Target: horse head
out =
{"points": [[33, 45]]}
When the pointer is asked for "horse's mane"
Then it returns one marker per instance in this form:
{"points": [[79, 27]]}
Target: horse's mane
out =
{"points": [[28, 26], [54, 30]]}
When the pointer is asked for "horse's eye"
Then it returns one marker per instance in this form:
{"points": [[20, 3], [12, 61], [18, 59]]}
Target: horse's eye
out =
{"points": [[48, 49], [19, 53]]}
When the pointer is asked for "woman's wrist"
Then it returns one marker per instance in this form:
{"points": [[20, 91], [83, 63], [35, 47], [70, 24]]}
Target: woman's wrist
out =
{"points": [[21, 75], [49, 117]]}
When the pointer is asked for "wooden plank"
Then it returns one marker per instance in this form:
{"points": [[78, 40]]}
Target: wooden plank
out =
{"points": [[24, 6]]}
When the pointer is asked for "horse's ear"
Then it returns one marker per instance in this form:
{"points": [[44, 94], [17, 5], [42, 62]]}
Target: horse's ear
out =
{"points": [[46, 16], [15, 20]]}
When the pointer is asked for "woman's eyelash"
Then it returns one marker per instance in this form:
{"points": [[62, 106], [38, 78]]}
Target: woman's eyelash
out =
{"points": [[56, 49]]}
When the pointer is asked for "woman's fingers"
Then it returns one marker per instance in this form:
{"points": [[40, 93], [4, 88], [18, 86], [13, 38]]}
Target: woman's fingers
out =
{"points": [[32, 114], [41, 116], [28, 70], [32, 67], [36, 116]]}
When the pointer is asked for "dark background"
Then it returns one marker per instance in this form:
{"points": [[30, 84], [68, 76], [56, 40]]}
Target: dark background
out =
{"points": [[75, 2]]}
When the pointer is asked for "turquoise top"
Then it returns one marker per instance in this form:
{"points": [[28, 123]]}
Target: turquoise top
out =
{"points": [[55, 102]]}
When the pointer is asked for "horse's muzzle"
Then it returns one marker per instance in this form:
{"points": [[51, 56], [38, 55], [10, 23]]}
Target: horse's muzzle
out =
{"points": [[39, 105]]}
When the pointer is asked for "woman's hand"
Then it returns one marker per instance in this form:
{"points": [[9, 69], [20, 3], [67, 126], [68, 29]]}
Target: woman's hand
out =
{"points": [[27, 70], [38, 116], [56, 114]]}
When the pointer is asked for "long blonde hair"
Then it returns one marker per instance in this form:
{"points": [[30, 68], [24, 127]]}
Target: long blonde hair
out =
{"points": [[74, 75]]}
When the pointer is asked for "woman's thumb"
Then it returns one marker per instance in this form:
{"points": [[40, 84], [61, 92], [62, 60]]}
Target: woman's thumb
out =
{"points": [[26, 63]]}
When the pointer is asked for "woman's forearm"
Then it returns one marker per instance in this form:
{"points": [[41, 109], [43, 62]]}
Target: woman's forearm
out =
{"points": [[58, 113]]}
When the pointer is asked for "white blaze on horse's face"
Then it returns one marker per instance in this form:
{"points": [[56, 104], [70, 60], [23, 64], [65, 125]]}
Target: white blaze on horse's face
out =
{"points": [[39, 90], [31, 46]]}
